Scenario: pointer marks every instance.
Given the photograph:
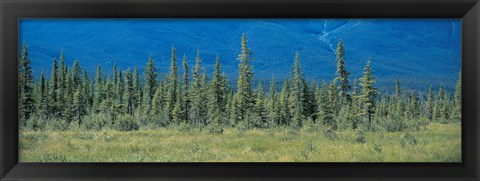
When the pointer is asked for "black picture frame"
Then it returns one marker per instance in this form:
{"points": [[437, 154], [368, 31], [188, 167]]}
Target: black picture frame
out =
{"points": [[12, 10]]}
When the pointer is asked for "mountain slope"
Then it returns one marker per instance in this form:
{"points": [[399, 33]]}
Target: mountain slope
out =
{"points": [[419, 52]]}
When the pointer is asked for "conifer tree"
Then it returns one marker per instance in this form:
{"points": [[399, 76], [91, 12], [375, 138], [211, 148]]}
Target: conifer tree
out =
{"points": [[158, 101], [244, 95], [76, 73], [412, 109], [178, 114], [150, 74], [137, 90], [457, 102], [198, 106], [52, 89], [217, 102], [119, 88], [185, 89], [128, 94], [78, 105], [445, 109], [272, 107], [172, 84], [354, 106], [382, 109], [106, 106], [99, 95], [368, 94], [308, 100], [41, 96], [438, 112], [25, 86], [115, 77], [87, 91], [326, 113], [399, 111], [284, 112], [341, 80], [295, 100], [260, 111], [68, 99], [61, 85], [429, 104]]}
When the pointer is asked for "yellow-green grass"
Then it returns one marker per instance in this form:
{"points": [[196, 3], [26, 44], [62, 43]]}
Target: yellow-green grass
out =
{"points": [[435, 143]]}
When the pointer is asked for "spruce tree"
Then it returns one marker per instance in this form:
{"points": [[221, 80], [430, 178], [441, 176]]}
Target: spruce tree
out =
{"points": [[445, 109], [400, 109], [429, 104], [341, 80], [158, 101], [78, 105], [198, 105], [52, 89], [272, 106], [438, 112], [128, 94], [368, 94], [354, 106], [150, 87], [260, 111], [41, 96], [326, 113], [76, 73], [119, 88], [68, 99], [295, 100], [284, 111], [115, 76], [137, 91], [106, 106], [185, 89], [217, 102], [457, 103], [62, 79], [172, 84], [87, 88], [99, 94], [178, 114], [308, 100], [26, 104], [244, 95]]}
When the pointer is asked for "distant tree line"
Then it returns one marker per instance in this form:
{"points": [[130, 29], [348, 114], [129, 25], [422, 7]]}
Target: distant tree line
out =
{"points": [[120, 100]]}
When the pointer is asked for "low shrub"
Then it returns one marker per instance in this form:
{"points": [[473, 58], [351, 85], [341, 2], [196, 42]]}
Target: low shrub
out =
{"points": [[85, 135], [417, 124], [307, 150], [270, 132], [34, 136], [214, 129], [360, 137], [377, 148], [408, 139], [126, 123], [53, 157], [394, 124], [36, 123], [95, 122], [57, 124], [330, 134], [309, 126]]}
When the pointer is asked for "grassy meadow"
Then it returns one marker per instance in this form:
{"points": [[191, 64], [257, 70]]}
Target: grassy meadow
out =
{"points": [[433, 143]]}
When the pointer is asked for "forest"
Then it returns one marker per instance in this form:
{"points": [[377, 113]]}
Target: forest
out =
{"points": [[192, 98]]}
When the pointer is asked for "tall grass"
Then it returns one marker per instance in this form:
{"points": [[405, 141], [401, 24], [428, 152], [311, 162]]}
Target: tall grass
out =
{"points": [[436, 143]]}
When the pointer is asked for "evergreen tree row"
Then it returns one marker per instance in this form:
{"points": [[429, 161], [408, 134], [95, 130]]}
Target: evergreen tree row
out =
{"points": [[124, 100]]}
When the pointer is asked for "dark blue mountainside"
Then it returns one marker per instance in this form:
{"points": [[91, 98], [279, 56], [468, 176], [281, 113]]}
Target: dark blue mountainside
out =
{"points": [[418, 52]]}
